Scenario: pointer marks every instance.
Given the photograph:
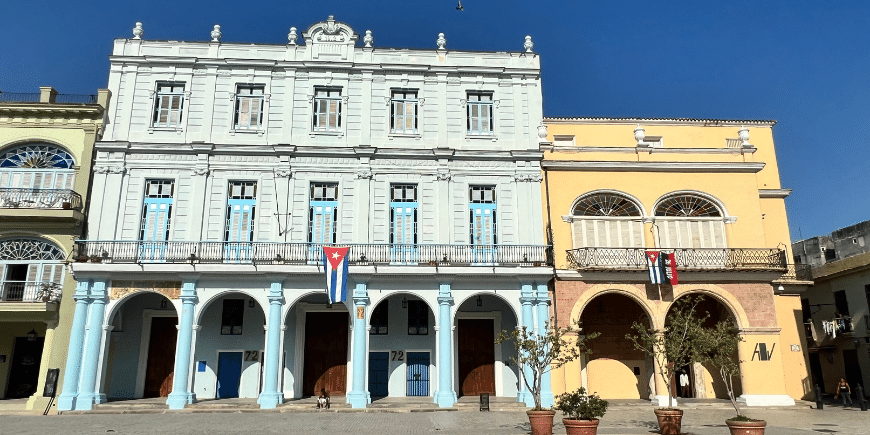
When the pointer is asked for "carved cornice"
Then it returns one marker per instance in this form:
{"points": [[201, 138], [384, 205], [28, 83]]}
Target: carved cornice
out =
{"points": [[702, 167], [532, 177]]}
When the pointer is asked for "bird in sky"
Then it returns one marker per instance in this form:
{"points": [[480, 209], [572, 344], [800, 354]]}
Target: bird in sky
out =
{"points": [[459, 6]]}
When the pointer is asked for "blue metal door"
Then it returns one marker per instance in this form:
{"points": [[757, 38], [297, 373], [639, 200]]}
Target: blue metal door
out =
{"points": [[418, 373], [229, 374], [378, 368]]}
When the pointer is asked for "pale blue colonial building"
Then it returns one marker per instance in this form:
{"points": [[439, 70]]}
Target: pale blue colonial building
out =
{"points": [[226, 167]]}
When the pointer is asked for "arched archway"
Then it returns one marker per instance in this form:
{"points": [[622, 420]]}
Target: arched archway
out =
{"points": [[140, 353], [615, 369]]}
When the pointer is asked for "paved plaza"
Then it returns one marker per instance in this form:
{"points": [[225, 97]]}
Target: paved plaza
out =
{"points": [[619, 420]]}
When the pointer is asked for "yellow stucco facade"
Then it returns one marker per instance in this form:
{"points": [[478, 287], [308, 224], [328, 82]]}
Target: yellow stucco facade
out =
{"points": [[46, 145], [706, 190]]}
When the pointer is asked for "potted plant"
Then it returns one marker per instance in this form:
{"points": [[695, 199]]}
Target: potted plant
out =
{"points": [[542, 353], [717, 347], [671, 348], [582, 411]]}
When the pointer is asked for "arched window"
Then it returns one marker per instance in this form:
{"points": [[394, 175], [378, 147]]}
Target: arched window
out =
{"points": [[36, 166], [37, 156], [607, 220], [689, 221], [28, 266]]}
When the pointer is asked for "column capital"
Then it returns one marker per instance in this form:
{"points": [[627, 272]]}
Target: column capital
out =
{"points": [[445, 300], [528, 300], [361, 300], [360, 291]]}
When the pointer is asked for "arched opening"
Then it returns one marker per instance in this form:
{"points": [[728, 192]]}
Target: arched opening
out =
{"points": [[704, 381], [607, 220], [402, 351], [316, 348], [36, 165], [228, 359], [481, 365], [140, 355], [689, 220], [615, 369]]}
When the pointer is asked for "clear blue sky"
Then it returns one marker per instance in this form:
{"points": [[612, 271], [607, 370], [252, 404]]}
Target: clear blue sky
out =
{"points": [[805, 64]]}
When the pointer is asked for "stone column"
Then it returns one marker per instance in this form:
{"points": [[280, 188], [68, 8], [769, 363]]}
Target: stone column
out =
{"points": [[543, 305], [45, 362], [181, 394], [67, 399], [527, 298], [359, 396], [271, 396], [88, 394], [445, 396]]}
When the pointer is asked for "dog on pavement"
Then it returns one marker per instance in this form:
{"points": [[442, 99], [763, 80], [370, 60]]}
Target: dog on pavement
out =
{"points": [[323, 401]]}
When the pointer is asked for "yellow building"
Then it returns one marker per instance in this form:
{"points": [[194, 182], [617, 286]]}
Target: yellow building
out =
{"points": [[46, 144], [707, 191]]}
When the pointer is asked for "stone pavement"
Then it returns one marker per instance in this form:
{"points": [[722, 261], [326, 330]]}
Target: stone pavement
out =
{"points": [[620, 419]]}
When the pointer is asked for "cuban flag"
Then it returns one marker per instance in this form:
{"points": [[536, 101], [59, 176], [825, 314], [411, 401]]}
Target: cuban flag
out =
{"points": [[669, 268], [335, 266], [654, 265]]}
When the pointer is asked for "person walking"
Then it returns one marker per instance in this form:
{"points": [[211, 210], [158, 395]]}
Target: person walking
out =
{"points": [[844, 391], [684, 385]]}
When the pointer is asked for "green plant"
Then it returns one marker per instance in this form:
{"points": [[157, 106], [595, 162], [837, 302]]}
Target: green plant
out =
{"points": [[578, 405], [716, 347]]}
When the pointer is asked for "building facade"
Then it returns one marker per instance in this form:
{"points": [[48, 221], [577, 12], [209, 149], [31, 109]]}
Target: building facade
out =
{"points": [[700, 189], [46, 145], [226, 168], [836, 310]]}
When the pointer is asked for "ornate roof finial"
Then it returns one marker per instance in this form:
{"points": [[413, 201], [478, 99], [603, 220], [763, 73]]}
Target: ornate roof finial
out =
{"points": [[528, 45], [442, 42], [216, 34], [368, 39], [639, 134], [291, 37], [743, 134], [138, 31]]}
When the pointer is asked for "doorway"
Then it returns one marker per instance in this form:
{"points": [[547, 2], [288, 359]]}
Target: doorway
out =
{"points": [[325, 354], [24, 372], [476, 357], [161, 357], [418, 373], [229, 374], [379, 373], [816, 371], [852, 368]]}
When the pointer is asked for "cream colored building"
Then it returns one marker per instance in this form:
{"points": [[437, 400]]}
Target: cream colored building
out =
{"points": [[46, 143], [707, 191]]}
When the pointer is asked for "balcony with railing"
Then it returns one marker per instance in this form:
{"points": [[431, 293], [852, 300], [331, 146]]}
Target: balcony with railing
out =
{"points": [[797, 273], [38, 97], [687, 259], [30, 291], [205, 252], [46, 199]]}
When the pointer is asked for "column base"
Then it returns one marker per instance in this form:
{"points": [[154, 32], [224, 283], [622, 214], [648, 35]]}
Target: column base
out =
{"points": [[445, 399], [527, 398], [180, 400], [663, 401], [358, 399], [270, 400], [766, 400], [547, 399], [86, 402], [66, 403]]}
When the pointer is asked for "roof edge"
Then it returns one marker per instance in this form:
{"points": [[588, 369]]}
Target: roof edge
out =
{"points": [[661, 121]]}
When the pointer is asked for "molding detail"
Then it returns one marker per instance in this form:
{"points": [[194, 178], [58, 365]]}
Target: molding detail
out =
{"points": [[774, 193], [703, 167], [443, 176], [284, 173], [200, 171], [532, 178], [364, 174]]}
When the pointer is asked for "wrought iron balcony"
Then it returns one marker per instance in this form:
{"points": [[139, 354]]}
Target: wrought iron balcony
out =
{"points": [[35, 97], [115, 251], [724, 259], [797, 272], [56, 199], [30, 291]]}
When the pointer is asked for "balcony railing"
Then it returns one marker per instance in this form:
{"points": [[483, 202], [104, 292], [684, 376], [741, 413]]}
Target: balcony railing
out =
{"points": [[58, 199], [35, 97], [309, 253], [30, 291], [687, 259], [797, 272]]}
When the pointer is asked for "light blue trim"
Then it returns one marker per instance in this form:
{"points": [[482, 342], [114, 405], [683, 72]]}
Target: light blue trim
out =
{"points": [[67, 399], [271, 397], [445, 397], [359, 397], [88, 394], [543, 304], [526, 299], [181, 394]]}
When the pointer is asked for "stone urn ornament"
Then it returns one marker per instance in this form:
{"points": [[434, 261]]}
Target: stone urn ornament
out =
{"points": [[216, 34], [292, 36], [138, 31], [441, 42], [368, 39]]}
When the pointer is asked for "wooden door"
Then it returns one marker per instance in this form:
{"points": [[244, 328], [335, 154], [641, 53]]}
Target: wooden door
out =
{"points": [[476, 357], [161, 357], [24, 371], [325, 354], [379, 365]]}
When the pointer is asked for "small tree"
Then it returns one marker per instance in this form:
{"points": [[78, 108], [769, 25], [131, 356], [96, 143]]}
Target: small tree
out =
{"points": [[675, 345], [717, 347], [542, 353]]}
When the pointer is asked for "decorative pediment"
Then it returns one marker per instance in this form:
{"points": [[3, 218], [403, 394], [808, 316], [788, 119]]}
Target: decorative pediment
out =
{"points": [[330, 32]]}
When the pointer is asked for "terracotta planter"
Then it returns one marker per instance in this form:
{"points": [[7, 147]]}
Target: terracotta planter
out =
{"points": [[746, 427], [580, 427], [670, 421], [542, 422]]}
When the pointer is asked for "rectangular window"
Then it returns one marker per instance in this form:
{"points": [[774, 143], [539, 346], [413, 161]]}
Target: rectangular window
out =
{"points": [[241, 208], [841, 303], [403, 216], [479, 113], [249, 107], [327, 109], [232, 316], [380, 319], [403, 112], [482, 215], [168, 103], [418, 318], [156, 210], [322, 213]]}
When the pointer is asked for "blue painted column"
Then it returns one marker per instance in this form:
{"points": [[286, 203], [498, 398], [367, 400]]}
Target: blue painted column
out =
{"points": [[543, 305], [359, 397], [527, 298], [181, 394], [88, 394], [270, 398], [67, 399], [445, 396]]}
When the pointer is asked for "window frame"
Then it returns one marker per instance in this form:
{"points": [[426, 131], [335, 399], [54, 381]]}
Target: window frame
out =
{"points": [[239, 96], [473, 124], [317, 100], [404, 101], [325, 201], [414, 308], [173, 94], [232, 325], [380, 319]]}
